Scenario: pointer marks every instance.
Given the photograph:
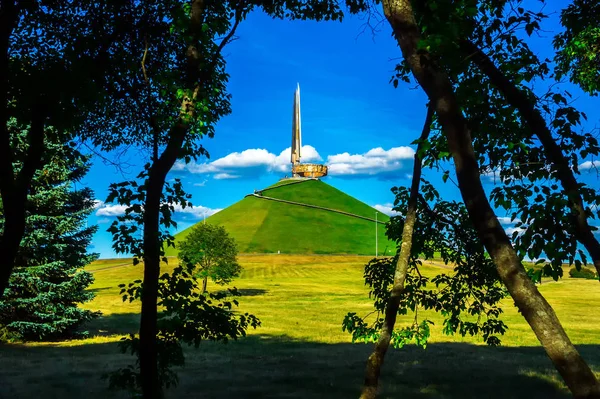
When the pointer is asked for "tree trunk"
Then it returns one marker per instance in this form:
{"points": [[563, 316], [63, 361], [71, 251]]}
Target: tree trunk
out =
{"points": [[14, 218], [10, 240], [375, 361], [536, 310], [204, 284], [14, 191], [518, 99], [151, 387]]}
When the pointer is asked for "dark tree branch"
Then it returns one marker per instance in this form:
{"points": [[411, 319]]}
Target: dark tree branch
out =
{"points": [[537, 124], [532, 305], [9, 13], [375, 361], [35, 151]]}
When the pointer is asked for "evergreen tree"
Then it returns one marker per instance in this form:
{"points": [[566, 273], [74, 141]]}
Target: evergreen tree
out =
{"points": [[48, 282]]}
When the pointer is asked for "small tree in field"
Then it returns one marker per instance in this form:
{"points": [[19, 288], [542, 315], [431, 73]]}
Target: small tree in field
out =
{"points": [[213, 252]]}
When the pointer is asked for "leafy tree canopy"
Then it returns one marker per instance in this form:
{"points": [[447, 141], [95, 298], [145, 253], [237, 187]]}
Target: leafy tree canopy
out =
{"points": [[212, 252], [468, 296], [578, 47], [530, 143]]}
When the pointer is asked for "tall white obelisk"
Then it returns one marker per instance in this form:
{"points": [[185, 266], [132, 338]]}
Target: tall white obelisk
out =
{"points": [[296, 132]]}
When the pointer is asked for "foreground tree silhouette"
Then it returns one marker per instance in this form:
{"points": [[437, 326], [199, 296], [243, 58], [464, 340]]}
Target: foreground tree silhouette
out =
{"points": [[212, 253], [375, 361], [53, 78], [530, 141], [468, 297], [171, 102], [179, 95], [536, 310]]}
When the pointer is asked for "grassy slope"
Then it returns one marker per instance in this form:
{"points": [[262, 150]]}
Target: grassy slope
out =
{"points": [[316, 192], [300, 351], [262, 226]]}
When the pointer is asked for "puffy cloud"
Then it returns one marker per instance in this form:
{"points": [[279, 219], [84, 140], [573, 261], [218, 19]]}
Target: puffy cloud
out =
{"points": [[490, 175], [222, 176], [509, 224], [507, 220], [375, 162], [255, 161], [190, 212], [589, 165], [195, 212], [308, 152], [386, 208], [511, 230], [111, 210], [245, 159], [249, 162]]}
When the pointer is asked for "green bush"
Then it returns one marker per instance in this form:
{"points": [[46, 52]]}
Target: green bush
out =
{"points": [[583, 273]]}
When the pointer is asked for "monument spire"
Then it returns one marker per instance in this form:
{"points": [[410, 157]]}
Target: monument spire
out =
{"points": [[301, 170], [296, 129]]}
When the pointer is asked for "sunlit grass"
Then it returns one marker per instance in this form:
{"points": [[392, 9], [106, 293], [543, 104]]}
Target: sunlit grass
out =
{"points": [[300, 349]]}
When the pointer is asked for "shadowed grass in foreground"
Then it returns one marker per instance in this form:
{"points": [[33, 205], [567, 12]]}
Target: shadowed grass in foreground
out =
{"points": [[267, 367], [300, 351]]}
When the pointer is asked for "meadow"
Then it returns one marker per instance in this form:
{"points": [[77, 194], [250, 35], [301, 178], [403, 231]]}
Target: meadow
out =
{"points": [[300, 350]]}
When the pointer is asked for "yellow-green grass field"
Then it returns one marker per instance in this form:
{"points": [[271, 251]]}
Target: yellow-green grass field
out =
{"points": [[300, 351]]}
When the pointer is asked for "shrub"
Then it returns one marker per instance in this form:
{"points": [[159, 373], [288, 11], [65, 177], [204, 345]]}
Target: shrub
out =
{"points": [[583, 273]]}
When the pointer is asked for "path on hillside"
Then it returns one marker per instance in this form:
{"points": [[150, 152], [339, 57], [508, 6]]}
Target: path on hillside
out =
{"points": [[291, 183], [314, 206]]}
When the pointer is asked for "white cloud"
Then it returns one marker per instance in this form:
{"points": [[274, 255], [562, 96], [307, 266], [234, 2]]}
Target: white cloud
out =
{"points": [[490, 174], [201, 184], [511, 230], [308, 152], [180, 166], [111, 210], [223, 176], [254, 161], [248, 162], [386, 208], [196, 212], [589, 165], [374, 162], [98, 204], [507, 220], [245, 159]]}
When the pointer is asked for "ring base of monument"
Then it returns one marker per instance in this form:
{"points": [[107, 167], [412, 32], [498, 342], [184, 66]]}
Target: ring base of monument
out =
{"points": [[309, 170]]}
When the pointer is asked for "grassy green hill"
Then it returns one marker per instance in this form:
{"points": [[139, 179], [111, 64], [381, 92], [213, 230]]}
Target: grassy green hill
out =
{"points": [[263, 226]]}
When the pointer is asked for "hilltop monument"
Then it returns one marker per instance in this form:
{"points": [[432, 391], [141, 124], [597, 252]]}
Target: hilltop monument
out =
{"points": [[302, 170]]}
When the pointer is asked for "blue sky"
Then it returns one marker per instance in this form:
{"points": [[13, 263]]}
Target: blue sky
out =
{"points": [[351, 116]]}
